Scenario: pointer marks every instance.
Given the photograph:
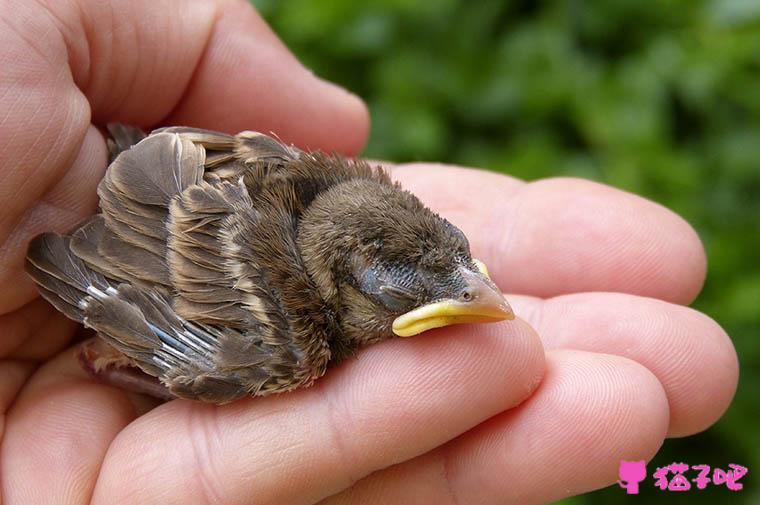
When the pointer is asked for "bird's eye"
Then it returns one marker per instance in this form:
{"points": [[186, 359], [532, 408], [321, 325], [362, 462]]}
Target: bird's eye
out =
{"points": [[396, 297], [390, 285]]}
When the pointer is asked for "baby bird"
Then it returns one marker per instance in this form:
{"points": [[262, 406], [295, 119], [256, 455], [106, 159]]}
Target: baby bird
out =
{"points": [[227, 266]]}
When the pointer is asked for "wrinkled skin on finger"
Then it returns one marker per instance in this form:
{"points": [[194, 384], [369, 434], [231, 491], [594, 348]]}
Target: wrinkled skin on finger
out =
{"points": [[587, 373]]}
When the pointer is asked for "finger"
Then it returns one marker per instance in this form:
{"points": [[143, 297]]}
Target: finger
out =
{"points": [[14, 374], [247, 79], [400, 399], [54, 196], [36, 321], [688, 352], [557, 236], [591, 411], [211, 63], [57, 433]]}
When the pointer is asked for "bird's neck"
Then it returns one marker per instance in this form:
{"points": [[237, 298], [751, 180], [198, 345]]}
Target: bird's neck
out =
{"points": [[326, 247]]}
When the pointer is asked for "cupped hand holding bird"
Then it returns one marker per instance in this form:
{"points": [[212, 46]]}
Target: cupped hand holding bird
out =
{"points": [[602, 364]]}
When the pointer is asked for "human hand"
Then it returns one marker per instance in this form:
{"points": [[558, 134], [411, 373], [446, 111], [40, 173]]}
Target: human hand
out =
{"points": [[451, 416]]}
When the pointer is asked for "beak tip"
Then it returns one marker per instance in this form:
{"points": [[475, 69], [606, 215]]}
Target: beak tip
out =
{"points": [[487, 305]]}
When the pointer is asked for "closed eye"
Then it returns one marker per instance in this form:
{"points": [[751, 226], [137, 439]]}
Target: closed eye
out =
{"points": [[396, 297]]}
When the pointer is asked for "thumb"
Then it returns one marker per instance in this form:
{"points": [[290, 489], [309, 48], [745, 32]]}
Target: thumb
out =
{"points": [[69, 64]]}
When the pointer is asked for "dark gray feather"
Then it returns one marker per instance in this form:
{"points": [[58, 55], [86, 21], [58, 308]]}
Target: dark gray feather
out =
{"points": [[122, 138]]}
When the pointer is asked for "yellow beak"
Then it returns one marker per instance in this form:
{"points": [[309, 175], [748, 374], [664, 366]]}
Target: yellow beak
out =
{"points": [[482, 303]]}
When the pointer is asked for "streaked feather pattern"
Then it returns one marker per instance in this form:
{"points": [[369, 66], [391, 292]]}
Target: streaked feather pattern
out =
{"points": [[170, 272]]}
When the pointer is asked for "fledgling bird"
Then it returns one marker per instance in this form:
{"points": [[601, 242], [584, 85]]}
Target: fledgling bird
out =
{"points": [[227, 266]]}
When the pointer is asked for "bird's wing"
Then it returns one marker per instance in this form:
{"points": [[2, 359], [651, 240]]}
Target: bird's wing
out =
{"points": [[217, 277], [141, 323], [231, 268], [134, 198], [141, 183], [162, 273], [248, 154]]}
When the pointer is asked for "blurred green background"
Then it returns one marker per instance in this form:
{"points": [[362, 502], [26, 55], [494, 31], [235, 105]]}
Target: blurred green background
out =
{"points": [[659, 97]]}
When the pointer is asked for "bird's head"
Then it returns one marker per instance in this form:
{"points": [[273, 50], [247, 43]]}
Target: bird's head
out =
{"points": [[392, 266]]}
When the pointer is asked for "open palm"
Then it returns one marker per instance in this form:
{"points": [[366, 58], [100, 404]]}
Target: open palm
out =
{"points": [[604, 363]]}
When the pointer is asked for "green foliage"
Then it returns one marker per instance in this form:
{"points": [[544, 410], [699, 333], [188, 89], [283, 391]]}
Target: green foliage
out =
{"points": [[659, 97]]}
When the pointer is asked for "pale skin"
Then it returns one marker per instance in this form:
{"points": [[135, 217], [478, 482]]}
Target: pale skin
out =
{"points": [[603, 363]]}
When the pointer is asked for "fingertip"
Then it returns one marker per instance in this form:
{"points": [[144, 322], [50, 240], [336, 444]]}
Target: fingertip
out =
{"points": [[529, 363], [247, 79], [591, 411], [674, 260], [353, 120], [690, 354], [628, 415], [702, 393], [691, 271], [601, 238]]}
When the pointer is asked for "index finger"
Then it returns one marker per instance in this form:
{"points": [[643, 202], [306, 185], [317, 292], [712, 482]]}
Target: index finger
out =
{"points": [[564, 235]]}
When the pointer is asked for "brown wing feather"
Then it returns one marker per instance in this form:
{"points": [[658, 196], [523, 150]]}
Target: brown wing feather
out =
{"points": [[84, 244], [135, 194], [137, 262], [214, 283], [147, 219], [229, 157], [63, 278]]}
